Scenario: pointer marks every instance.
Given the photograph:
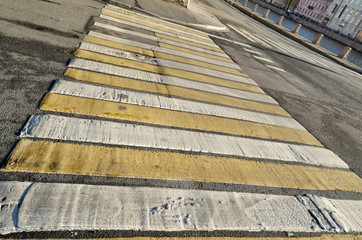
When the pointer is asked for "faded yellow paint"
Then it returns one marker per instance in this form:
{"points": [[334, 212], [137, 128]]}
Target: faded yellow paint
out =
{"points": [[153, 115], [68, 158], [165, 71], [181, 49], [162, 55], [189, 43], [169, 90], [149, 24], [179, 27]]}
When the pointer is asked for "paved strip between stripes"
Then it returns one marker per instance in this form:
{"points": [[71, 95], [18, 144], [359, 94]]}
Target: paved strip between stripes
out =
{"points": [[46, 206], [70, 158], [116, 133]]}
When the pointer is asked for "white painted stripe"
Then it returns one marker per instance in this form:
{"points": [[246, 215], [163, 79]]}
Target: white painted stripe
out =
{"points": [[152, 100], [163, 62], [116, 133], [273, 44], [155, 24], [264, 59], [255, 37], [159, 19], [162, 49], [276, 68], [46, 207], [126, 31], [241, 33], [175, 81], [253, 52]]}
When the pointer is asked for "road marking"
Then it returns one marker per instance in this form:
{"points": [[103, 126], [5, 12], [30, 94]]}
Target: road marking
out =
{"points": [[276, 68], [323, 237], [43, 156], [121, 43], [162, 62], [113, 14], [165, 71], [174, 39], [263, 59], [159, 21], [124, 134], [166, 117], [253, 52], [195, 52], [46, 207], [156, 78], [169, 90], [242, 33]]}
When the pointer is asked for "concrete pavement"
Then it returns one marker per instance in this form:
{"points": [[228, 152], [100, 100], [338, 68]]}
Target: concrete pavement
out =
{"points": [[162, 104]]}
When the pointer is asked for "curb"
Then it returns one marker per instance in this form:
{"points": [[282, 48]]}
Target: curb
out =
{"points": [[294, 37]]}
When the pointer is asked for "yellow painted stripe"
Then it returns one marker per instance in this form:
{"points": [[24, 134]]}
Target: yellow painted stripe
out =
{"points": [[165, 70], [148, 24], [179, 27], [162, 55], [169, 90], [159, 35], [165, 45], [100, 108], [67, 158]]}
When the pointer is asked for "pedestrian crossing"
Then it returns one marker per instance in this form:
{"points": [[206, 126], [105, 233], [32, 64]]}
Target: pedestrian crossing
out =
{"points": [[172, 107]]}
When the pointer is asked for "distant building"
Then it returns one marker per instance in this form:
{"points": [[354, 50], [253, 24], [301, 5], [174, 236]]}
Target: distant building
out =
{"points": [[314, 9], [345, 17]]}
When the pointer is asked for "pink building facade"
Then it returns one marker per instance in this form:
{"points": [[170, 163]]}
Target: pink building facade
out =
{"points": [[314, 9]]}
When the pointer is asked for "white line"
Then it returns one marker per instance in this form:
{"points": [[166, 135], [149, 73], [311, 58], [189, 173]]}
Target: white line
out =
{"points": [[163, 62], [116, 133], [154, 23], [253, 52], [276, 68], [156, 78], [47, 207], [162, 49], [263, 59], [152, 100], [241, 33]]}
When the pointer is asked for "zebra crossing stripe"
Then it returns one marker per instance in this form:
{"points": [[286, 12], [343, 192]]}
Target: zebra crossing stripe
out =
{"points": [[97, 207], [157, 21], [166, 117], [165, 71], [162, 62], [44, 157], [133, 135], [117, 41], [174, 91], [117, 15], [169, 80]]}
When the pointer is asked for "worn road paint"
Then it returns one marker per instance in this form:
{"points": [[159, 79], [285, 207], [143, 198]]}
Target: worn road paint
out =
{"points": [[174, 39], [158, 49], [154, 25], [46, 207], [165, 117], [151, 77], [157, 20], [165, 71], [45, 157], [174, 91], [116, 133], [276, 68], [263, 59], [145, 58]]}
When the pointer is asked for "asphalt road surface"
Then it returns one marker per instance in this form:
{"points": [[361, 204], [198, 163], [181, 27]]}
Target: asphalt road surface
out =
{"points": [[148, 128]]}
